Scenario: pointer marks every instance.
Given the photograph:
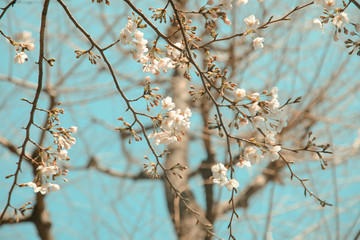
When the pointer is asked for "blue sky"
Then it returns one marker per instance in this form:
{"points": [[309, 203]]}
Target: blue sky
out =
{"points": [[95, 206]]}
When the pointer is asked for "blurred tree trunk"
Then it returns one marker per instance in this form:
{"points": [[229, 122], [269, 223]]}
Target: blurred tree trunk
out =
{"points": [[184, 221]]}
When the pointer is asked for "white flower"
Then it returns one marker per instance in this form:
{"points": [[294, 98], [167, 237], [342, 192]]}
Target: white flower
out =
{"points": [[239, 2], [243, 163], [240, 93], [63, 154], [254, 108], [251, 22], [47, 171], [318, 22], [167, 104], [270, 137], [187, 113], [144, 59], [282, 121], [173, 51], [258, 42], [138, 35], [232, 183], [219, 171], [131, 26], [125, 36], [254, 97], [63, 143], [166, 63], [140, 46], [250, 154], [273, 153], [163, 138], [274, 105], [274, 92], [20, 58], [73, 129], [72, 140], [29, 184], [46, 187], [174, 125], [326, 4], [152, 67], [259, 122], [340, 19]]}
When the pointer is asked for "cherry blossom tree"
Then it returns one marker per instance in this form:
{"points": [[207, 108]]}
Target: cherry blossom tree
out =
{"points": [[219, 104]]}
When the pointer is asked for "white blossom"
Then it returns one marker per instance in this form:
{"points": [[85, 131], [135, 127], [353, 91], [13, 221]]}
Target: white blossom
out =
{"points": [[251, 22], [63, 154], [173, 126], [319, 23], [20, 58], [173, 51], [131, 26], [240, 93], [270, 137], [219, 171], [273, 153], [274, 105], [152, 67], [326, 4], [250, 154], [258, 42], [340, 19], [232, 183], [254, 108], [243, 163], [125, 36], [46, 188], [259, 122], [29, 184], [47, 171], [254, 97], [274, 92], [167, 104], [163, 138], [166, 63]]}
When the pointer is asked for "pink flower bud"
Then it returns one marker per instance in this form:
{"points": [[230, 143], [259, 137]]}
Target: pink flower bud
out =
{"points": [[227, 21]]}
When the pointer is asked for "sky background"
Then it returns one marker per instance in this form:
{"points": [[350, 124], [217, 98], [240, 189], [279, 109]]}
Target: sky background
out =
{"points": [[297, 58]]}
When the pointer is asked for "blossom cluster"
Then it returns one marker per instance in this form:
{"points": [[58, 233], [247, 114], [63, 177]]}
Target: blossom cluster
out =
{"points": [[173, 125], [219, 172], [152, 63], [48, 169], [25, 43], [337, 16], [269, 118]]}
